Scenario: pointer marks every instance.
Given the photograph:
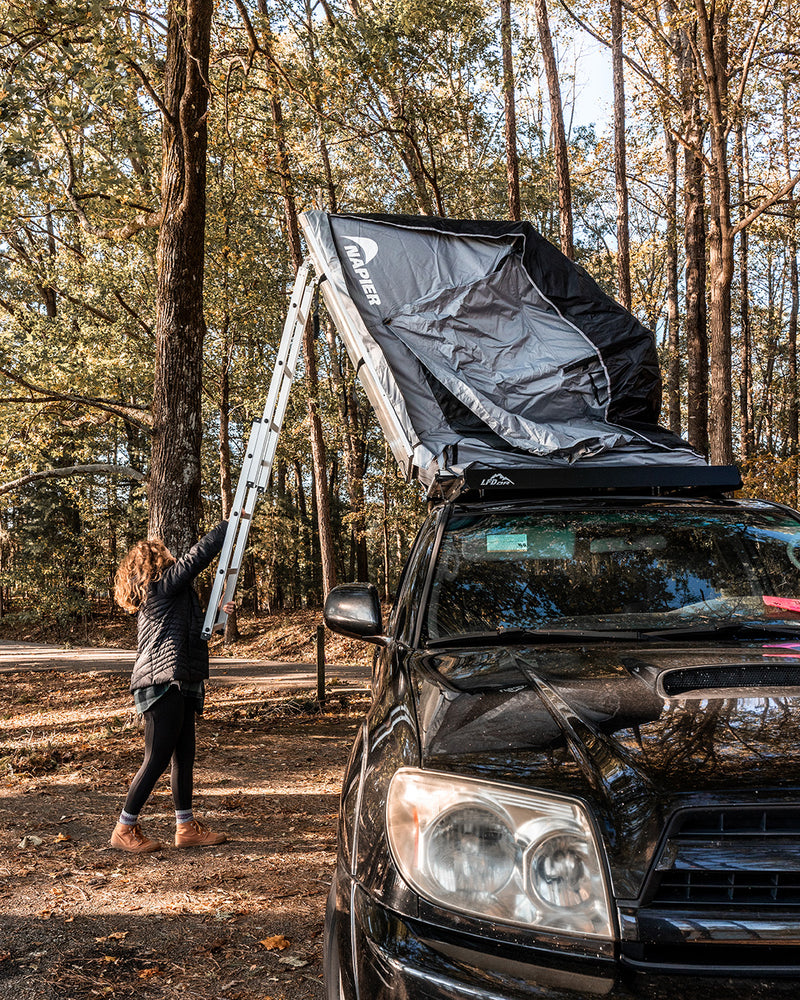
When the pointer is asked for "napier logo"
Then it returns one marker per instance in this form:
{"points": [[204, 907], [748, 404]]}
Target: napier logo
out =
{"points": [[360, 250], [497, 480]]}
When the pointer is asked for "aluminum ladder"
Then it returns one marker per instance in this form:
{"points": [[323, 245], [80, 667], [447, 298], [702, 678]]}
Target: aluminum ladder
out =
{"points": [[260, 453]]}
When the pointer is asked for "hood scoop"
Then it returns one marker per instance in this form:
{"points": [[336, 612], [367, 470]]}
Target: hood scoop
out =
{"points": [[728, 676]]}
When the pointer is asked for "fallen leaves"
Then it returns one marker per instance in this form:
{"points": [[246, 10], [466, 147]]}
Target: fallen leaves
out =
{"points": [[294, 963], [276, 943], [114, 936], [151, 973], [106, 922]]}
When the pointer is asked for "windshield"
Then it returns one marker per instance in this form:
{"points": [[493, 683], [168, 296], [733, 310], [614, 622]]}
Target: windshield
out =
{"points": [[614, 568]]}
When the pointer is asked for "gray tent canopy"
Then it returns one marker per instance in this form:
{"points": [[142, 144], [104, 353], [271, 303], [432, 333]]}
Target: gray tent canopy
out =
{"points": [[485, 347]]}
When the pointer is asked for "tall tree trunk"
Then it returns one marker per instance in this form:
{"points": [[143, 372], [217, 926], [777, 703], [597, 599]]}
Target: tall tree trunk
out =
{"points": [[309, 354], [620, 168], [225, 480], [559, 135], [746, 439], [714, 48], [355, 454], [174, 485], [673, 309], [791, 247], [512, 160], [695, 321]]}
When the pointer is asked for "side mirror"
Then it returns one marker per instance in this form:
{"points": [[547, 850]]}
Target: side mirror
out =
{"points": [[354, 610]]}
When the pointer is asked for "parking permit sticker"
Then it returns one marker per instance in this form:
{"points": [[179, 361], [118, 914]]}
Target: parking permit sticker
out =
{"points": [[507, 543]]}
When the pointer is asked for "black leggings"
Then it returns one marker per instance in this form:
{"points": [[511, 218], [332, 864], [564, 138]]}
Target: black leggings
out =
{"points": [[168, 734]]}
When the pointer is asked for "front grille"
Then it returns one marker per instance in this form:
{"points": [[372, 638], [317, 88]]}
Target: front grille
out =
{"points": [[734, 858], [741, 821], [761, 675], [729, 889]]}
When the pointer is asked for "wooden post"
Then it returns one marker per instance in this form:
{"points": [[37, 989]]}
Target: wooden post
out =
{"points": [[321, 664]]}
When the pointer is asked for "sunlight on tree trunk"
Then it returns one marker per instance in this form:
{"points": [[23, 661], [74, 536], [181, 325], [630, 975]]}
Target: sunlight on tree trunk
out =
{"points": [[174, 487]]}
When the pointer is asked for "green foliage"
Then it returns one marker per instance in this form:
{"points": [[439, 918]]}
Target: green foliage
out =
{"points": [[388, 105]]}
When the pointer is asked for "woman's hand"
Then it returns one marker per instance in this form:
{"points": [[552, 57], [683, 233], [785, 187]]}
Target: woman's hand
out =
{"points": [[229, 607]]}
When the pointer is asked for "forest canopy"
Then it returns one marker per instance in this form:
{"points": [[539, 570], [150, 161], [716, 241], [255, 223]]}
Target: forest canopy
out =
{"points": [[116, 120]]}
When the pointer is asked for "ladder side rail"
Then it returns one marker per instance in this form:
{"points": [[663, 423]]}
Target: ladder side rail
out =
{"points": [[248, 470], [299, 300], [260, 452], [283, 400]]}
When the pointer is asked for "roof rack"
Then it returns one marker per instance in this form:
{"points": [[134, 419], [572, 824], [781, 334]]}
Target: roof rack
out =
{"points": [[642, 480]]}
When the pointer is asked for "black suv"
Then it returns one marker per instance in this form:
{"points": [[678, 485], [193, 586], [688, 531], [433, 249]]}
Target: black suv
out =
{"points": [[579, 774]]}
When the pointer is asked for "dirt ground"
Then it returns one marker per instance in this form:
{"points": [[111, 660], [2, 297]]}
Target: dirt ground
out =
{"points": [[242, 921]]}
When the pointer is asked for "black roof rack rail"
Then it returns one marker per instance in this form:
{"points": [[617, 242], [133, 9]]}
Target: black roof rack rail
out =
{"points": [[641, 480]]}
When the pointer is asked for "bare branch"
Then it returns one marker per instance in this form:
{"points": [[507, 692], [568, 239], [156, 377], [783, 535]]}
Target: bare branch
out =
{"points": [[145, 220], [749, 57], [74, 470], [135, 415], [148, 86], [640, 70], [132, 313], [767, 203]]}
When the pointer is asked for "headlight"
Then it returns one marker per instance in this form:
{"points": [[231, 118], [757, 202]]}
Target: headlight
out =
{"points": [[498, 852]]}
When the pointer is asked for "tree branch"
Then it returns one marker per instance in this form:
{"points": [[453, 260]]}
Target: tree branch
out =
{"points": [[145, 220], [73, 470], [767, 203], [640, 70], [135, 415]]}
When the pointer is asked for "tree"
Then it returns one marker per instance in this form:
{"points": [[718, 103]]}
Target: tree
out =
{"points": [[510, 118], [620, 170], [174, 487], [557, 125]]}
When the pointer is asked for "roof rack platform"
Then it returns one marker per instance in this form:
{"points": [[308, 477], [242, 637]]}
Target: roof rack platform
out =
{"points": [[641, 480]]}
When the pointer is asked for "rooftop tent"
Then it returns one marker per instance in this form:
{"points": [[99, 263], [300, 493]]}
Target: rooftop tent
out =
{"points": [[485, 347]]}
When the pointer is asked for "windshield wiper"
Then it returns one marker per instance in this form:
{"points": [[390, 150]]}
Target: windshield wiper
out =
{"points": [[727, 629], [514, 636], [704, 630]]}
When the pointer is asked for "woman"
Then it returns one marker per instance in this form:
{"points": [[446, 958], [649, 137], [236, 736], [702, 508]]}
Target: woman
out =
{"points": [[167, 681]]}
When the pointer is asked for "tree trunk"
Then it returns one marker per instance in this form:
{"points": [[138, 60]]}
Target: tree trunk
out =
{"points": [[559, 135], [174, 485], [746, 440], [673, 310], [791, 222], [714, 49], [684, 47], [512, 160], [317, 440], [354, 454], [620, 169], [695, 321]]}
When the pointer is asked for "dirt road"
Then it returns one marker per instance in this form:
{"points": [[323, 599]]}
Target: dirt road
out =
{"points": [[263, 674]]}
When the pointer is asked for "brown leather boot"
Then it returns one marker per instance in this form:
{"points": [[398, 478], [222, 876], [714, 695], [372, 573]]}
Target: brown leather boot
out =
{"points": [[131, 839], [194, 834]]}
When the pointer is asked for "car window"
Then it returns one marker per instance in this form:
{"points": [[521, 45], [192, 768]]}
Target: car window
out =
{"points": [[615, 568], [413, 579]]}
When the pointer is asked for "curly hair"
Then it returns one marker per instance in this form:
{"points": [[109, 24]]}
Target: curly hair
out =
{"points": [[144, 564]]}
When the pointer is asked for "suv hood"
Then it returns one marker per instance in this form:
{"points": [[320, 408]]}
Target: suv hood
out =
{"points": [[636, 733]]}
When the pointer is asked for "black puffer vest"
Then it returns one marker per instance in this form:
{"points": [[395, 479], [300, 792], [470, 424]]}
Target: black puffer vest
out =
{"points": [[169, 644]]}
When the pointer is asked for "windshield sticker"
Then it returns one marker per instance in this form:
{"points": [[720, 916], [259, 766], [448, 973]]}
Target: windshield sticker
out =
{"points": [[507, 543]]}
